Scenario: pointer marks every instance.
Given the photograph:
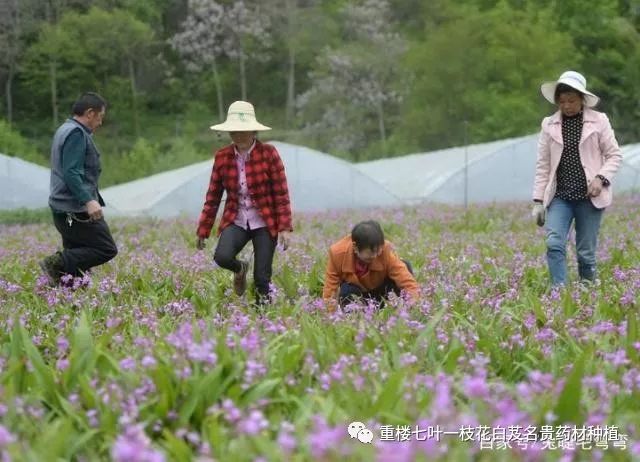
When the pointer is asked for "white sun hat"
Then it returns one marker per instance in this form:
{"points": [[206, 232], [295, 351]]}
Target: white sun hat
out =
{"points": [[241, 117], [573, 79]]}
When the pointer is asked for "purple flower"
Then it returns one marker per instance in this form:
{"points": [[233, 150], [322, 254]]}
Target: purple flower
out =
{"points": [[134, 446], [92, 417], [202, 352], [442, 403], [395, 451], [232, 413], [253, 424], [178, 308], [63, 344], [253, 370], [62, 364], [475, 387], [128, 364], [285, 438], [617, 358], [6, 437], [407, 359], [324, 438], [250, 342], [148, 361]]}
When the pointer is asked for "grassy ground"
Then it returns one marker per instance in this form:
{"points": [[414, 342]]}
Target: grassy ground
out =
{"points": [[153, 358]]}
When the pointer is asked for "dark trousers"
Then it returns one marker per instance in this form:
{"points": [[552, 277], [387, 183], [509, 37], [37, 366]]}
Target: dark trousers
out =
{"points": [[233, 239], [85, 243], [351, 292]]}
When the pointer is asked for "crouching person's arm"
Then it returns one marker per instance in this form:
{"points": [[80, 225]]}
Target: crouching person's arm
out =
{"points": [[331, 285], [402, 274]]}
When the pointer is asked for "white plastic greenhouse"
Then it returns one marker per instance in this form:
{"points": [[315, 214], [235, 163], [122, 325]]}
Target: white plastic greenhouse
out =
{"points": [[495, 172], [317, 182], [440, 175], [499, 171], [22, 184]]}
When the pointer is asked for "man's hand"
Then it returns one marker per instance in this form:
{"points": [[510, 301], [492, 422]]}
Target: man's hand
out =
{"points": [[200, 243], [595, 187], [538, 213], [94, 210], [283, 239]]}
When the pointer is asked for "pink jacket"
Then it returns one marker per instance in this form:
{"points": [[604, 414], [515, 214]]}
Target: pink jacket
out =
{"points": [[599, 152]]}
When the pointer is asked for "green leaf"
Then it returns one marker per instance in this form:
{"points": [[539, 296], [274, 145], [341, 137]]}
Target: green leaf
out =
{"points": [[106, 363], [162, 378], [80, 442], [82, 357], [54, 439], [567, 408], [43, 373], [427, 333], [632, 335], [177, 448], [201, 393], [390, 394], [450, 362], [258, 391]]}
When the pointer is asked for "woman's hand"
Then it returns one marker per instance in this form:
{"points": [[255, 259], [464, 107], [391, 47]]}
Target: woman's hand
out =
{"points": [[595, 187]]}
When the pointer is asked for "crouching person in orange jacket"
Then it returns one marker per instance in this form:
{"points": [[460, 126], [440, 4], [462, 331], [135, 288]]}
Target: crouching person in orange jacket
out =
{"points": [[363, 265]]}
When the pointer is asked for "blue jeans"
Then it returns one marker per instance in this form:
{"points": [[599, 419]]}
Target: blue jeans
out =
{"points": [[587, 218]]}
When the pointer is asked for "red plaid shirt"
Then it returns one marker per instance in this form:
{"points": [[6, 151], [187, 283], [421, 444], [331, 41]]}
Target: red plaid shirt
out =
{"points": [[267, 184]]}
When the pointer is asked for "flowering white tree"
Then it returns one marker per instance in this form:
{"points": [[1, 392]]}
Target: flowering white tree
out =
{"points": [[199, 42], [213, 30], [354, 85]]}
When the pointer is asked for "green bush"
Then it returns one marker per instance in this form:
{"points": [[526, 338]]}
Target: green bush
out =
{"points": [[13, 144], [24, 216], [148, 158]]}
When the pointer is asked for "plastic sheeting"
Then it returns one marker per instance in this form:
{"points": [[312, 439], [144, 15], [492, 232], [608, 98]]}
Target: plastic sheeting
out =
{"points": [[22, 184], [500, 171], [436, 175], [316, 180]]}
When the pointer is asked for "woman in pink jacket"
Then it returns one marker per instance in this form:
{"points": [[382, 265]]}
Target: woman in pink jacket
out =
{"points": [[578, 156]]}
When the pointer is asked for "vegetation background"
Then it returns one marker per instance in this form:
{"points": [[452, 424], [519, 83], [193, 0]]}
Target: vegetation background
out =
{"points": [[359, 79]]}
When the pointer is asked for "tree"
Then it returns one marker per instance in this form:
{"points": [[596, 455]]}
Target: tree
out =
{"points": [[290, 21], [246, 36], [84, 51], [17, 19], [199, 41], [609, 48], [484, 68], [213, 29], [121, 49], [10, 48], [353, 86]]}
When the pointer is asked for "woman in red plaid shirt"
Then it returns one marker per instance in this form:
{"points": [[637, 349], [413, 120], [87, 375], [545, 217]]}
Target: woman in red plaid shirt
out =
{"points": [[257, 207]]}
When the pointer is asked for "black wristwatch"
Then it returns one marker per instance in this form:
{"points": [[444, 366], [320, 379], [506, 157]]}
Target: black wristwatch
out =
{"points": [[605, 182]]}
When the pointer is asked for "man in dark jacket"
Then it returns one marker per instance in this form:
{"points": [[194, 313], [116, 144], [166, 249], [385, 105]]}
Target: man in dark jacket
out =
{"points": [[74, 199]]}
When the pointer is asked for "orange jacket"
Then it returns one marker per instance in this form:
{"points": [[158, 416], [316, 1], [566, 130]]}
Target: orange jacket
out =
{"points": [[341, 268]]}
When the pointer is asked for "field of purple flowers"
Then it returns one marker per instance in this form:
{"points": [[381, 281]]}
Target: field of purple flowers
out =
{"points": [[152, 357]]}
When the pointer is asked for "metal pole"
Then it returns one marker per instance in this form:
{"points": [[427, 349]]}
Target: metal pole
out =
{"points": [[466, 168]]}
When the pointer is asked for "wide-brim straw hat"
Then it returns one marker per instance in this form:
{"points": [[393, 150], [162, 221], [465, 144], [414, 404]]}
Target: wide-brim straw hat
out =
{"points": [[241, 117], [573, 79]]}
